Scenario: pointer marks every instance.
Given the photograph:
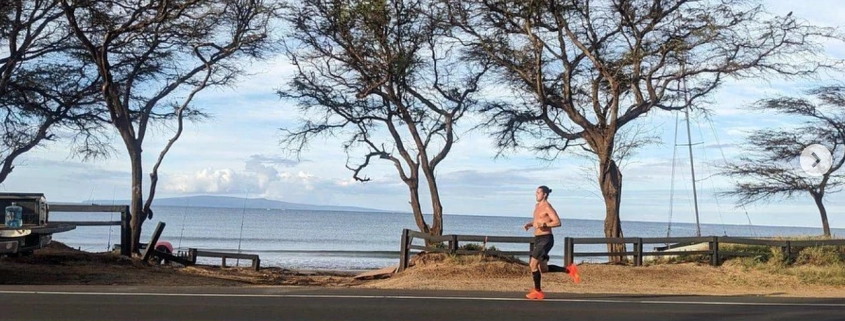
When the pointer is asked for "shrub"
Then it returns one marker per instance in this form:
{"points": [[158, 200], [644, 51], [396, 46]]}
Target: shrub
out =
{"points": [[833, 274], [759, 253], [748, 263], [820, 255], [471, 247], [775, 257]]}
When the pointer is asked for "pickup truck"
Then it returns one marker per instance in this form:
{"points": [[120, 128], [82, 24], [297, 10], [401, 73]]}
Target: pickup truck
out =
{"points": [[36, 230]]}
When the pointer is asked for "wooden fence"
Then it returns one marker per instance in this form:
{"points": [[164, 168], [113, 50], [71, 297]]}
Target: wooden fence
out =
{"points": [[256, 261], [713, 242], [190, 258], [125, 218], [637, 253], [408, 237]]}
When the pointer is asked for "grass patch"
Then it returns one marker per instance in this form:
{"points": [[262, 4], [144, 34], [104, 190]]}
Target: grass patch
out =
{"points": [[679, 259], [821, 256], [817, 275], [477, 247], [750, 255], [466, 246], [444, 248], [465, 259], [818, 265], [440, 246], [774, 256], [479, 254]]}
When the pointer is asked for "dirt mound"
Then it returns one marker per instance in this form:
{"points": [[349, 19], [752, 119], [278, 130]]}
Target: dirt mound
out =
{"points": [[463, 272], [54, 246], [58, 264], [438, 265], [424, 259]]}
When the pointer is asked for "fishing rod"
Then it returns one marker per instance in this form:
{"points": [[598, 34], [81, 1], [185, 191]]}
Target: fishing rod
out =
{"points": [[240, 237], [184, 215], [111, 217]]}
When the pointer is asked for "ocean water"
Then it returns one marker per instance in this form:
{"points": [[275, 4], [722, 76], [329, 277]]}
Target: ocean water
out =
{"points": [[329, 240]]}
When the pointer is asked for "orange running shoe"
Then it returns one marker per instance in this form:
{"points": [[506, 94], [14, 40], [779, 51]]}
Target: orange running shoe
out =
{"points": [[535, 295], [573, 272]]}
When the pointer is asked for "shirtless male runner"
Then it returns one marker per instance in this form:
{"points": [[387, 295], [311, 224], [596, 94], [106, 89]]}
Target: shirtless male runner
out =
{"points": [[545, 218]]}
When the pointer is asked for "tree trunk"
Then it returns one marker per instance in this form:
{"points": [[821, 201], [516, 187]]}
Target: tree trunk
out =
{"points": [[823, 212], [610, 180], [415, 206], [136, 205], [418, 214], [436, 205]]}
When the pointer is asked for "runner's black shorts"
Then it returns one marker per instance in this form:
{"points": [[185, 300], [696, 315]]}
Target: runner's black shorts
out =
{"points": [[543, 246]]}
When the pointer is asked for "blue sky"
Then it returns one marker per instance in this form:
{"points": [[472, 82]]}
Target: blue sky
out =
{"points": [[236, 153]]}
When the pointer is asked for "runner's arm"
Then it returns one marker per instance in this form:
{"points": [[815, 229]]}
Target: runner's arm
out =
{"points": [[554, 219]]}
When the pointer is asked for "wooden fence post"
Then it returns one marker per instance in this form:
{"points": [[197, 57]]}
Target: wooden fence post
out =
{"points": [[568, 248], [403, 251], [453, 244], [638, 248], [788, 251], [192, 255], [153, 240], [714, 251], [125, 232]]}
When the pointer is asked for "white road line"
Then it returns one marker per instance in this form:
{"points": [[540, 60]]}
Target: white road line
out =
{"points": [[414, 297]]}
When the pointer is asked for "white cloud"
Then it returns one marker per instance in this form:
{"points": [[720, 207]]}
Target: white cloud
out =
{"points": [[223, 181], [256, 177]]}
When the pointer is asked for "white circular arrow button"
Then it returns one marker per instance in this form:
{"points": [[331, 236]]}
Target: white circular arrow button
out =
{"points": [[816, 160]]}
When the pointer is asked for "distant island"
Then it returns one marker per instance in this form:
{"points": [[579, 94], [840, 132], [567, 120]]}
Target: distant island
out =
{"points": [[238, 202]]}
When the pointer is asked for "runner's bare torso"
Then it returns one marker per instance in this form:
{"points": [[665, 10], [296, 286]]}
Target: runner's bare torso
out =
{"points": [[543, 218]]}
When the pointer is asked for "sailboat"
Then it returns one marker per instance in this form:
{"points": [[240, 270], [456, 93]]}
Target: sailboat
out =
{"points": [[689, 144]]}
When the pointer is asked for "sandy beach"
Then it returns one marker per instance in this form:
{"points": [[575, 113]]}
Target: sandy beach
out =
{"points": [[61, 265]]}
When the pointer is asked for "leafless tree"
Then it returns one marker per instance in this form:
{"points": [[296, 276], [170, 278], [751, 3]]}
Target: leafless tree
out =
{"points": [[155, 56], [388, 75], [45, 94], [587, 69], [770, 170]]}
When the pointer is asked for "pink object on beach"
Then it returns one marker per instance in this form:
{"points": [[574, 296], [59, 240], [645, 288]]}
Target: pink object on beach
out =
{"points": [[165, 244]]}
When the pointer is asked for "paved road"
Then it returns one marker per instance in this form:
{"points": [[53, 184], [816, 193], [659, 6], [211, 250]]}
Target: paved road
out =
{"points": [[277, 303]]}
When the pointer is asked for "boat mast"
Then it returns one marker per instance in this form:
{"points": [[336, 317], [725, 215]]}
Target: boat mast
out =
{"points": [[691, 162]]}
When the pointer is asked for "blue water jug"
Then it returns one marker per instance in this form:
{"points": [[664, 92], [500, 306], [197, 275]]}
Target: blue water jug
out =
{"points": [[14, 215]]}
